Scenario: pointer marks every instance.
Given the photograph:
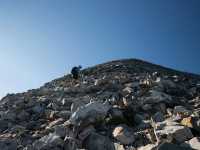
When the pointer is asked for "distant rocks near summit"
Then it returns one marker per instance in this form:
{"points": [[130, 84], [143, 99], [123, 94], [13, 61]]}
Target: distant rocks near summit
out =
{"points": [[120, 105]]}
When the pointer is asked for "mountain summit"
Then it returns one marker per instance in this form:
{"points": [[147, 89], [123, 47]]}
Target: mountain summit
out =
{"points": [[125, 104]]}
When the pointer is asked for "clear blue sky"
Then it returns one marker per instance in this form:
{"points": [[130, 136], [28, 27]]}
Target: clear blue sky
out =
{"points": [[41, 40]]}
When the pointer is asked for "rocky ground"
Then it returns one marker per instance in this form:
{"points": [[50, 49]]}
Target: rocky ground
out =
{"points": [[120, 105]]}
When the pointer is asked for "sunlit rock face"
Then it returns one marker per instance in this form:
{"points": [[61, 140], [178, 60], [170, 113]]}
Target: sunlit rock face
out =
{"points": [[120, 105]]}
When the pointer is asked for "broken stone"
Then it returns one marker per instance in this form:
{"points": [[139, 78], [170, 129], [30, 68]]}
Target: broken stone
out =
{"points": [[123, 134], [118, 146], [177, 132], [195, 143], [147, 147]]}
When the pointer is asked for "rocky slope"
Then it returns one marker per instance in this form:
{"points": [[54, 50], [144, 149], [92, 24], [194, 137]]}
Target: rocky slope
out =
{"points": [[120, 105]]}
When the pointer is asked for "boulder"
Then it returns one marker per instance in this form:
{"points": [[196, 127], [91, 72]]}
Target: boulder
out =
{"points": [[89, 113], [127, 91]]}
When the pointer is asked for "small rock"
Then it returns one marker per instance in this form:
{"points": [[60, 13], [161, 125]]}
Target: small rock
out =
{"points": [[118, 146], [187, 122], [195, 143], [181, 110], [50, 141], [147, 147], [171, 146], [177, 132], [123, 134], [127, 91], [158, 117], [56, 122]]}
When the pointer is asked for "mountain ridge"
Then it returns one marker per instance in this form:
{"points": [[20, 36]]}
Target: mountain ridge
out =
{"points": [[126, 104]]}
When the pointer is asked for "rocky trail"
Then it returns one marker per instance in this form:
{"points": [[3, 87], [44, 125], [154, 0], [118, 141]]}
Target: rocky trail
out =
{"points": [[126, 104]]}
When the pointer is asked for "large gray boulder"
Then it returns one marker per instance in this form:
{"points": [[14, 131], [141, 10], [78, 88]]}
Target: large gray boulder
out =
{"points": [[89, 113]]}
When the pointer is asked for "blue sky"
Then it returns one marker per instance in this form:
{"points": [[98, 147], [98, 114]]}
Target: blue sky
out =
{"points": [[41, 40]]}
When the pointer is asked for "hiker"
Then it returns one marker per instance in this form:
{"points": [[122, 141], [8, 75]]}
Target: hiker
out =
{"points": [[75, 72]]}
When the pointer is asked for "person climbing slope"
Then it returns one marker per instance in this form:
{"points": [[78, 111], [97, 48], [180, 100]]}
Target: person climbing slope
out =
{"points": [[76, 71]]}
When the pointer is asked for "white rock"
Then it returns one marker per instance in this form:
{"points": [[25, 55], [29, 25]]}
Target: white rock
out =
{"points": [[89, 113], [118, 146], [195, 143], [147, 147], [177, 132], [123, 134]]}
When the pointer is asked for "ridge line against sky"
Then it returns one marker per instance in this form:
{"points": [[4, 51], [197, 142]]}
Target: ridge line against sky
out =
{"points": [[41, 40]]}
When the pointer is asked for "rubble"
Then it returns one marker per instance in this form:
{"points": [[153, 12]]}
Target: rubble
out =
{"points": [[120, 105]]}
